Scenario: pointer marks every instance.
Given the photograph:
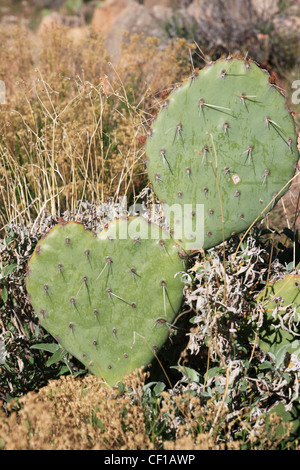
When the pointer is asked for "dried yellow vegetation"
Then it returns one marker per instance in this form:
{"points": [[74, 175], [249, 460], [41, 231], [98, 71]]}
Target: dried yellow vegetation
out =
{"points": [[73, 123], [82, 414], [76, 414]]}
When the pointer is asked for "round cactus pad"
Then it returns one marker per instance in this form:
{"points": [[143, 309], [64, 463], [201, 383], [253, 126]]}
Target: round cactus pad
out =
{"points": [[280, 327], [108, 299], [220, 150]]}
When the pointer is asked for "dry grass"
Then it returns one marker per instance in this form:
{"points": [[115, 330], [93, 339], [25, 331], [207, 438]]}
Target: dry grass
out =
{"points": [[77, 414], [72, 127]]}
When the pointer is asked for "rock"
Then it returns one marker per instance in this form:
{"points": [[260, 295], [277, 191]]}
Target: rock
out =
{"points": [[258, 28], [107, 14], [222, 22], [288, 26], [115, 17], [49, 21], [165, 3], [56, 19], [264, 10], [234, 26], [72, 21], [163, 13], [10, 19], [78, 34], [286, 38], [175, 22]]}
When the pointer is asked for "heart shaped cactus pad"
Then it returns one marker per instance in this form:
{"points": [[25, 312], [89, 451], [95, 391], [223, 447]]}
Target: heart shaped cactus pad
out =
{"points": [[107, 298]]}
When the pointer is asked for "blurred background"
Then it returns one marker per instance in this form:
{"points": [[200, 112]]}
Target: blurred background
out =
{"points": [[268, 30], [60, 57], [66, 44]]}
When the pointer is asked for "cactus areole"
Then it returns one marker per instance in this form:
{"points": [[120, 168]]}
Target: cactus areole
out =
{"points": [[224, 141], [107, 299]]}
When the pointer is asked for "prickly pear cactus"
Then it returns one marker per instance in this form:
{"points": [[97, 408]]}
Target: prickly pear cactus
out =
{"points": [[281, 316], [224, 140], [107, 299]]}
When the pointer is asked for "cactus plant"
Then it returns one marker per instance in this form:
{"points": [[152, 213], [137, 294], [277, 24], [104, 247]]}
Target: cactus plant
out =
{"points": [[108, 299], [226, 141], [280, 303]]}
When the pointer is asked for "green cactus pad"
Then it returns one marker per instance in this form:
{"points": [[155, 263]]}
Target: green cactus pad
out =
{"points": [[281, 307], [225, 140], [108, 299]]}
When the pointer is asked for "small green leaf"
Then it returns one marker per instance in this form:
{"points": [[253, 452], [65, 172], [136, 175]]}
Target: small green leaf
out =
{"points": [[37, 331], [49, 347], [63, 370], [159, 387], [57, 356], [10, 268], [187, 372], [4, 294], [243, 387], [266, 365], [214, 371]]}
